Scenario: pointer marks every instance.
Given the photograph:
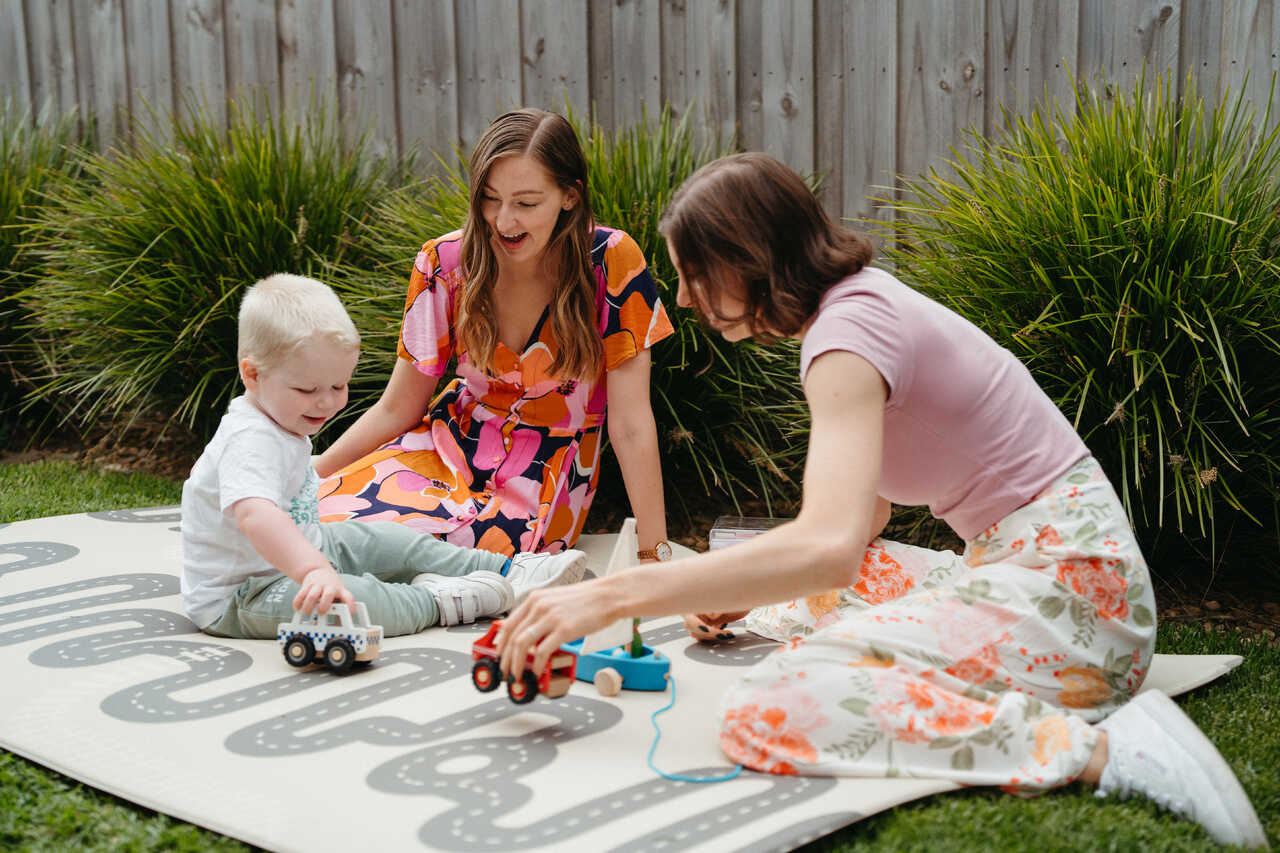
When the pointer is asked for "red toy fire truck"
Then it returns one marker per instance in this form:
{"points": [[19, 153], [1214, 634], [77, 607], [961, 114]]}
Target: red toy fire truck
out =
{"points": [[553, 682]]}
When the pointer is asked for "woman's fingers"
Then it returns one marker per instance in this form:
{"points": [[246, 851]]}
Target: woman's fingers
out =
{"points": [[548, 618]]}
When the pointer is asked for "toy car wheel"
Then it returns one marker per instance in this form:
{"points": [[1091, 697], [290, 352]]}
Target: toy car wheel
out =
{"points": [[339, 656], [524, 689], [484, 675], [299, 651], [608, 681]]}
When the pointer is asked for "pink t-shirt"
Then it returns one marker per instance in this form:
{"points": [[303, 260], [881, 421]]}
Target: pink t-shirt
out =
{"points": [[967, 431]]}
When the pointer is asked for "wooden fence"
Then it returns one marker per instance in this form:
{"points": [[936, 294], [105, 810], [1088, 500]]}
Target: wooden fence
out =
{"points": [[858, 89]]}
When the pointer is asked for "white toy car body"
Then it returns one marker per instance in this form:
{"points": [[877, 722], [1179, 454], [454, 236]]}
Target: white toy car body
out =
{"points": [[338, 638]]}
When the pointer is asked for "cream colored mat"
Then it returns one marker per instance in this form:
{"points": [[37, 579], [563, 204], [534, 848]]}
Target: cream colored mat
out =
{"points": [[102, 678]]}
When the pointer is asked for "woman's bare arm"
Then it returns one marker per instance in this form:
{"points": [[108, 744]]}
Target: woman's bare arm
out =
{"points": [[820, 550], [634, 437], [400, 408]]}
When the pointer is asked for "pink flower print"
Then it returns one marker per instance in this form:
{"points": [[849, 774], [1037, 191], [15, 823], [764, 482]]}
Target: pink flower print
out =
{"points": [[447, 446], [422, 263], [419, 439], [524, 447], [491, 449], [963, 629]]}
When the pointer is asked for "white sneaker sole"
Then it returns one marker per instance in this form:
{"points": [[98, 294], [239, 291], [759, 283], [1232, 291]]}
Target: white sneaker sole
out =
{"points": [[1234, 802], [570, 572]]}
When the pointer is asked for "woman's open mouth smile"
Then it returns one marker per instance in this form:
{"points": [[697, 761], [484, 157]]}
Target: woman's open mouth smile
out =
{"points": [[513, 241]]}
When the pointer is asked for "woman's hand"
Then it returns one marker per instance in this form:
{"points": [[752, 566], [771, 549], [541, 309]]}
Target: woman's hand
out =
{"points": [[709, 627], [548, 618]]}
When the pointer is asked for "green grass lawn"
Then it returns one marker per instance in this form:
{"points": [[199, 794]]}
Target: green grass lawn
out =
{"points": [[43, 810]]}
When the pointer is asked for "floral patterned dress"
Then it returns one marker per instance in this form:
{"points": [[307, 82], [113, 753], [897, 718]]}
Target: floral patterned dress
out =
{"points": [[505, 462], [984, 668]]}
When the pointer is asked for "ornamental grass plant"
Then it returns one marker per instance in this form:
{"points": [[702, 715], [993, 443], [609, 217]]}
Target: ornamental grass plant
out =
{"points": [[1125, 250], [36, 151], [712, 401], [142, 265]]}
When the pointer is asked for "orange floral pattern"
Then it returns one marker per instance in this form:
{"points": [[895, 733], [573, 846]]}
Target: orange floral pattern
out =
{"points": [[934, 665], [1083, 687], [1101, 586], [1052, 737], [882, 577], [505, 461], [772, 736]]}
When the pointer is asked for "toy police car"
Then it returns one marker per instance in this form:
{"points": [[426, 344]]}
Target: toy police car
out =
{"points": [[338, 638]]}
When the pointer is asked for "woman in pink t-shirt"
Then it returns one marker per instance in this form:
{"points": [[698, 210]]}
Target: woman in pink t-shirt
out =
{"points": [[1014, 664]]}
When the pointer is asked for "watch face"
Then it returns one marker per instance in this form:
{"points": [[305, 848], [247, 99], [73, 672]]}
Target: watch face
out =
{"points": [[663, 551]]}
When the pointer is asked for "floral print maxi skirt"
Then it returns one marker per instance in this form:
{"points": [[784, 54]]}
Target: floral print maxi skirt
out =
{"points": [[983, 669]]}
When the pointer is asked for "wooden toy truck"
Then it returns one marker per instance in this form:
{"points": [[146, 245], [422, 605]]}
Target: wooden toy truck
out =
{"points": [[338, 638], [553, 682]]}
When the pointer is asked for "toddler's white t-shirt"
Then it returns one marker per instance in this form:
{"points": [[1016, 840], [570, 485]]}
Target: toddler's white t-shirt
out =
{"points": [[249, 457]]}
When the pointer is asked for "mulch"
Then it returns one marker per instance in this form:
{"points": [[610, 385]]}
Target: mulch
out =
{"points": [[1227, 604]]}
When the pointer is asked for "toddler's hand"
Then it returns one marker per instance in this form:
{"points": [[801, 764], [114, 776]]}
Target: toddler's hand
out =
{"points": [[320, 588]]}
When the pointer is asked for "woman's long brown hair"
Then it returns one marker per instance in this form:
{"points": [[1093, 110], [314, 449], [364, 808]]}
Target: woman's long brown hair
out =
{"points": [[550, 140], [748, 218]]}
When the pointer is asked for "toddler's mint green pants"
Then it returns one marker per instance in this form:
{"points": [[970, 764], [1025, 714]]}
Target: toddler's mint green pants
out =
{"points": [[377, 560]]}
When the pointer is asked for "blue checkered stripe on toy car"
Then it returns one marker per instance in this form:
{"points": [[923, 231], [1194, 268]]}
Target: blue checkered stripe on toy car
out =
{"points": [[321, 639]]}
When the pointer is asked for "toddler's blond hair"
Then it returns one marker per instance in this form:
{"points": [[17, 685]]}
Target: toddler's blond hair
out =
{"points": [[282, 311]]}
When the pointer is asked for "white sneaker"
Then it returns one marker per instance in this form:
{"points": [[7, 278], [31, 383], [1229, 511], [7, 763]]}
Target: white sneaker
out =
{"points": [[466, 598], [1157, 751], [530, 570]]}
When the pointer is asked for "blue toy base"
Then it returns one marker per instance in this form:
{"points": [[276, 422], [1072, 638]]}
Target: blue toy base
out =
{"points": [[648, 672]]}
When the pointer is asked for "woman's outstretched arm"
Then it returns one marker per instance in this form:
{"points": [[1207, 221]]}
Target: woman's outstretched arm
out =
{"points": [[818, 551], [399, 409]]}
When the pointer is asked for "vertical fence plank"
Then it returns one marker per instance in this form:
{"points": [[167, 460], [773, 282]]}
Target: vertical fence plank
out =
{"points": [[828, 96], [1030, 47], [366, 74], [674, 26], [788, 106], [51, 54], [871, 97], [308, 59], [1118, 38], [199, 57], [488, 81], [101, 85], [715, 86], [602, 62], [751, 71], [636, 60], [427, 80], [15, 74], [253, 57], [149, 59], [1250, 53], [553, 52], [940, 82], [699, 62]]}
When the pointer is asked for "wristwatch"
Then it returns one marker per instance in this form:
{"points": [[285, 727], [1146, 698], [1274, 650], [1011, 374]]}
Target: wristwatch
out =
{"points": [[660, 552]]}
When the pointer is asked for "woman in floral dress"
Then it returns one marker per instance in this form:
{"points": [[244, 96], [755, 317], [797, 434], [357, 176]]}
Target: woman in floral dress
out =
{"points": [[550, 318], [1015, 664]]}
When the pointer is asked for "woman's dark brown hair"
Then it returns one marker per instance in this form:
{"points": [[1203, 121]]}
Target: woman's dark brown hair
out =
{"points": [[748, 218], [550, 140]]}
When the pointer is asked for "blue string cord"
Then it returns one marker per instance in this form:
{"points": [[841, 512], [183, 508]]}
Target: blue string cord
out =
{"points": [[653, 718]]}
